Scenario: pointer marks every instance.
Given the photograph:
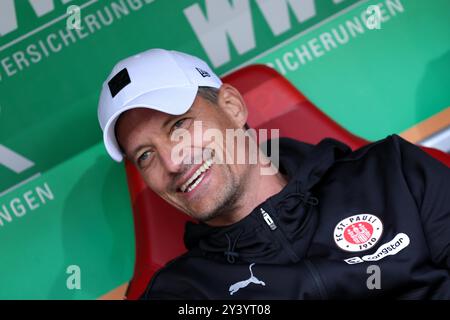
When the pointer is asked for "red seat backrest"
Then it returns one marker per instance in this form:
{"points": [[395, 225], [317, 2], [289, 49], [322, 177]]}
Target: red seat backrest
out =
{"points": [[273, 103]]}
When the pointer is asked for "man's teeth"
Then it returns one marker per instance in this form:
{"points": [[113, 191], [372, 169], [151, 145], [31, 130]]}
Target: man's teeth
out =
{"points": [[206, 165]]}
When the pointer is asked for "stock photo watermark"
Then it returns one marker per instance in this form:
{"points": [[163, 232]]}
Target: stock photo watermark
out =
{"points": [[73, 281], [374, 280], [374, 17], [238, 146], [74, 17]]}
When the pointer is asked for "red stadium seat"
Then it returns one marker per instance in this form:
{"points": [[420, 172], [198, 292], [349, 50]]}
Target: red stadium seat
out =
{"points": [[273, 102]]}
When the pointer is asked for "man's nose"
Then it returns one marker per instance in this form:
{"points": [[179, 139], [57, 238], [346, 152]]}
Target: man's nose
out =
{"points": [[169, 161]]}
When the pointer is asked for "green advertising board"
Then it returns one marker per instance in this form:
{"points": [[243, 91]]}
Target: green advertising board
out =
{"points": [[64, 203]]}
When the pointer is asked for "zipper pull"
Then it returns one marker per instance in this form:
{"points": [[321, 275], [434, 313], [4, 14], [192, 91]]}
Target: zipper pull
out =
{"points": [[268, 219]]}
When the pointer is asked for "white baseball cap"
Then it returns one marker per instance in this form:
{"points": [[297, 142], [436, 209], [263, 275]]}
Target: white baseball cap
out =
{"points": [[157, 79]]}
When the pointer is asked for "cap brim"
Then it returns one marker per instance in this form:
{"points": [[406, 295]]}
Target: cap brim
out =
{"points": [[174, 101]]}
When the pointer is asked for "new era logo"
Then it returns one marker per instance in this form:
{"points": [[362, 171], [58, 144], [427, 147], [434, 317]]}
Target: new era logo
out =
{"points": [[203, 73]]}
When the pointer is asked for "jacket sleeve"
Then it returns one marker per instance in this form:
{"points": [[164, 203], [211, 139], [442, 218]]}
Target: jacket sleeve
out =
{"points": [[429, 182], [151, 295], [170, 284]]}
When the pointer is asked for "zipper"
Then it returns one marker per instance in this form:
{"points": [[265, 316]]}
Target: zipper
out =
{"points": [[269, 220], [316, 277], [288, 247]]}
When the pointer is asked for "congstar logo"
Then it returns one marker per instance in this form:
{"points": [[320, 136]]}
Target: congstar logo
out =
{"points": [[9, 21]]}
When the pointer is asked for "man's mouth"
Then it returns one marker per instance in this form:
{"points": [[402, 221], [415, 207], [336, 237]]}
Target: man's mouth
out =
{"points": [[196, 177]]}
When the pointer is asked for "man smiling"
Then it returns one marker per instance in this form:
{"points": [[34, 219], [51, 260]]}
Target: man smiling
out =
{"points": [[141, 131], [309, 230]]}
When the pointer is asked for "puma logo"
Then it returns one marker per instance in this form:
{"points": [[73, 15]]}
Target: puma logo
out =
{"points": [[242, 284]]}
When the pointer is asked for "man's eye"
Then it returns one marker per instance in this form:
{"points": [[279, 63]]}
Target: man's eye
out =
{"points": [[144, 156], [178, 124]]}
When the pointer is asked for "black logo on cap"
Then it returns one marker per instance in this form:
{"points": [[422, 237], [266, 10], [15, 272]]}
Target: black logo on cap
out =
{"points": [[203, 73], [118, 82]]}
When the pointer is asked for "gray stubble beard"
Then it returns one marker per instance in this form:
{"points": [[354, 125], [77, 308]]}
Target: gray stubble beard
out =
{"points": [[228, 204]]}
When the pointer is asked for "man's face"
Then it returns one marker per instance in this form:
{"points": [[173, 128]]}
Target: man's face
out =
{"points": [[145, 137]]}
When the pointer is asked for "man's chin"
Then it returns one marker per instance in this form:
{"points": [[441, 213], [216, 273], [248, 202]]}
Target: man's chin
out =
{"points": [[211, 215], [204, 216], [210, 208]]}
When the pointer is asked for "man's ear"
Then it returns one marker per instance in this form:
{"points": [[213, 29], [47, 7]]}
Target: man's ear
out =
{"points": [[232, 103]]}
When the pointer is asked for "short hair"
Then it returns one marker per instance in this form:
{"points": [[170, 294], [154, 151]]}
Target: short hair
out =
{"points": [[211, 94]]}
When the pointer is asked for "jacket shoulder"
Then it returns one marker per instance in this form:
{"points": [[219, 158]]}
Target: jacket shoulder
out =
{"points": [[386, 149]]}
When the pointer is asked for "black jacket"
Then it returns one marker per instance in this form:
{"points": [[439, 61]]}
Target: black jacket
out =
{"points": [[348, 225]]}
